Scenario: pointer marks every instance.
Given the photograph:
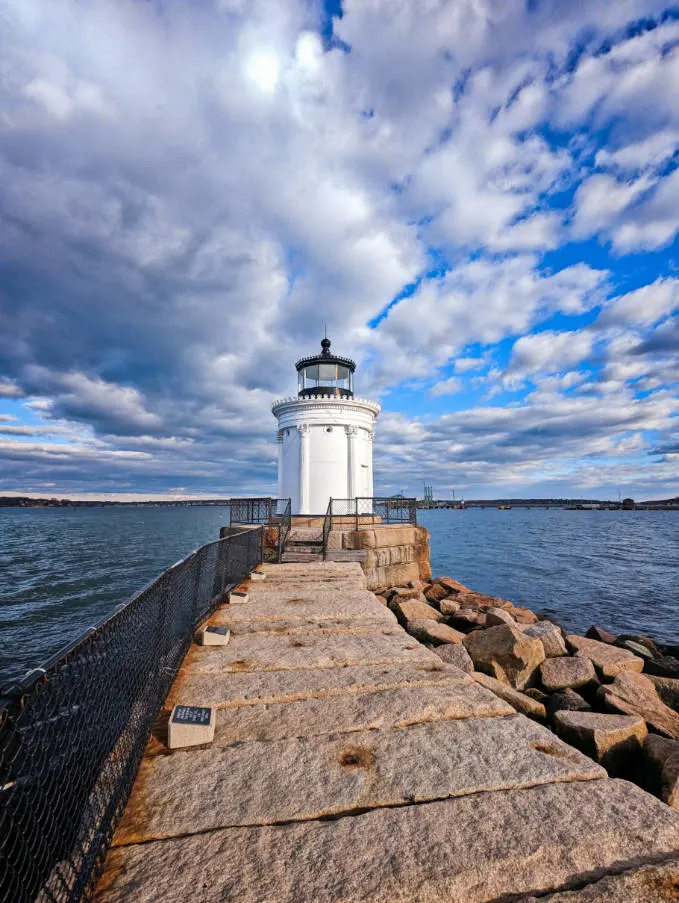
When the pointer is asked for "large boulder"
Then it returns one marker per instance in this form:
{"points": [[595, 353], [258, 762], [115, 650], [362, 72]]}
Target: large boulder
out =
{"points": [[603, 636], [550, 637], [412, 610], [667, 689], [566, 701], [615, 741], [608, 660], [449, 606], [435, 593], [504, 652], [523, 615], [402, 593], [452, 586], [663, 758], [635, 694], [477, 601], [519, 701], [664, 666], [430, 631], [563, 672], [638, 644], [465, 619], [455, 654], [496, 616]]}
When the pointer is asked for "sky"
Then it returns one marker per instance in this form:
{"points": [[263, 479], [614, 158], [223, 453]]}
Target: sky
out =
{"points": [[479, 197]]}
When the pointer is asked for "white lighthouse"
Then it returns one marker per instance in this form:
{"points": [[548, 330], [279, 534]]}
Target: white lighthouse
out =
{"points": [[325, 435]]}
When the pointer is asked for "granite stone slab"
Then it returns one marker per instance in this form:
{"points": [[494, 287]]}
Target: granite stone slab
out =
{"points": [[303, 779], [305, 625], [314, 570], [281, 653], [264, 687], [471, 849], [358, 712], [307, 605]]}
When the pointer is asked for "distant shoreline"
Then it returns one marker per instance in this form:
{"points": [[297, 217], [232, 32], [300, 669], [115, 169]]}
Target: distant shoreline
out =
{"points": [[436, 504]]}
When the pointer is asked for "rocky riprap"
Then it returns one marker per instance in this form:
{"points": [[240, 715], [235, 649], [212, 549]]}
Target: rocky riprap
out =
{"points": [[616, 698]]}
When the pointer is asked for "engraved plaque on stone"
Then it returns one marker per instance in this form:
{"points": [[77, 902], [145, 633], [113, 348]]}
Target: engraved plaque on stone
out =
{"points": [[213, 635], [237, 597], [190, 725]]}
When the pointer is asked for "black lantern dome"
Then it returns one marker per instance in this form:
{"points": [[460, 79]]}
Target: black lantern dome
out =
{"points": [[325, 374]]}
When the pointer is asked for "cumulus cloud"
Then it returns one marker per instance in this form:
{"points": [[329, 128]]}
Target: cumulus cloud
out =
{"points": [[189, 191], [549, 352], [645, 305]]}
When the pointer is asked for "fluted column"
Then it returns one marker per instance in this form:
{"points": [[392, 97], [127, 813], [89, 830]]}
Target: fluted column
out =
{"points": [[304, 433], [279, 439], [351, 460]]}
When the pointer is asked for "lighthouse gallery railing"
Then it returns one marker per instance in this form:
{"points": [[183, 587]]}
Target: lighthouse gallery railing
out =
{"points": [[72, 734]]}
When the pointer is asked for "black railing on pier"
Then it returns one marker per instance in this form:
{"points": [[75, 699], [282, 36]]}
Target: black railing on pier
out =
{"points": [[363, 511], [282, 521], [269, 512], [72, 734], [327, 527], [252, 511]]}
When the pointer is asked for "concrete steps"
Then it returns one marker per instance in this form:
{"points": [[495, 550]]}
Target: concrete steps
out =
{"points": [[304, 545]]}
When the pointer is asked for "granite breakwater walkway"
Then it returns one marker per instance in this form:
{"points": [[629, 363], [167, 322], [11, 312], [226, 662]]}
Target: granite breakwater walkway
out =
{"points": [[351, 764]]}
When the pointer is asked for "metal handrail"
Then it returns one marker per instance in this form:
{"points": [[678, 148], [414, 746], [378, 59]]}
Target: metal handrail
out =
{"points": [[284, 522], [327, 527], [383, 510]]}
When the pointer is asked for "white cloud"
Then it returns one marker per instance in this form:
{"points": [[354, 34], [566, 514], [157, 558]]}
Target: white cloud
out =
{"points": [[645, 305], [463, 364], [602, 199], [549, 352], [447, 386]]}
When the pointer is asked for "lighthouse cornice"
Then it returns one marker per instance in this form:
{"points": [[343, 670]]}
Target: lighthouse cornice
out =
{"points": [[324, 402]]}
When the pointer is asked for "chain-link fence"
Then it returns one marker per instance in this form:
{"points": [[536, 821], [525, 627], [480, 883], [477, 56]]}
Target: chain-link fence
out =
{"points": [[365, 511], [72, 734], [392, 510]]}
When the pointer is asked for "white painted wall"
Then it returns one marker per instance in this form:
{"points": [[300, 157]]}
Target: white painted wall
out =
{"points": [[325, 450]]}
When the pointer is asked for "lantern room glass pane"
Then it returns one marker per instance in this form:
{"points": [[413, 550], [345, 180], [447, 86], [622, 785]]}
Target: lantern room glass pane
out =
{"points": [[325, 375]]}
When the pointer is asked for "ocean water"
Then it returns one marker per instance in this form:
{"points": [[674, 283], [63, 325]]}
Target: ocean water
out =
{"points": [[616, 569], [61, 570]]}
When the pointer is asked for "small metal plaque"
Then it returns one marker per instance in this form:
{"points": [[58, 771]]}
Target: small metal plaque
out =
{"points": [[191, 714], [222, 631]]}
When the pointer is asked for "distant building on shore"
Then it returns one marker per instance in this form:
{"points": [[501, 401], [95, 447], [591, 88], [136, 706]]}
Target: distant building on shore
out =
{"points": [[325, 435]]}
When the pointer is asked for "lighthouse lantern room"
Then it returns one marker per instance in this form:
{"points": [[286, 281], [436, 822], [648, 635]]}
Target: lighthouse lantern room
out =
{"points": [[325, 435]]}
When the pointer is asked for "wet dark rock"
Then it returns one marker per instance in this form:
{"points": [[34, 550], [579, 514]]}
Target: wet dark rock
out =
{"points": [[638, 644], [665, 666], [566, 701], [603, 636], [467, 620], [537, 695]]}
